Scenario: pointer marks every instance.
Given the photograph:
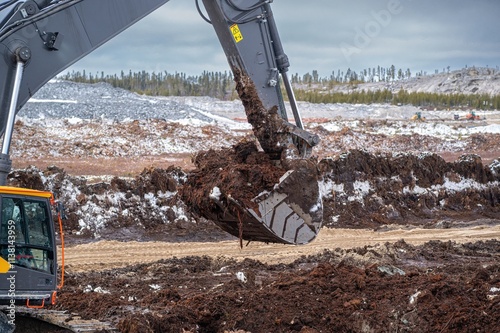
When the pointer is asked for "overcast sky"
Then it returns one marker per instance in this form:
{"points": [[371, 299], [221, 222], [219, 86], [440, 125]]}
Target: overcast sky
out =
{"points": [[323, 35]]}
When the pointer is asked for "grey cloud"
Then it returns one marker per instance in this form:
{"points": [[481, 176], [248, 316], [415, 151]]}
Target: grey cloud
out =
{"points": [[421, 35]]}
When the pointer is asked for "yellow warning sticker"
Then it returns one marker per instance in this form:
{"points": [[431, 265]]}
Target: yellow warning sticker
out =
{"points": [[238, 37], [4, 266]]}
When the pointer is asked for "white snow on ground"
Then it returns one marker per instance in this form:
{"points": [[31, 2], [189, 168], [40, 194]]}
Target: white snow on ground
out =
{"points": [[442, 131], [450, 187], [93, 215], [109, 138], [36, 100], [88, 118], [330, 189]]}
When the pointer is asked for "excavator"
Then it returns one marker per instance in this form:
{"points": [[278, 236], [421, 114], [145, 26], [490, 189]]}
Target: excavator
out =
{"points": [[41, 38]]}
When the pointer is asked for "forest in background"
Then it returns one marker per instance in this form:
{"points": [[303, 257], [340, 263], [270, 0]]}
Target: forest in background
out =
{"points": [[309, 87]]}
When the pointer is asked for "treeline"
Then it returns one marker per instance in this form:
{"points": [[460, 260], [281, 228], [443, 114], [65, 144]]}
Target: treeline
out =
{"points": [[215, 84], [221, 85], [375, 74], [403, 97], [307, 88]]}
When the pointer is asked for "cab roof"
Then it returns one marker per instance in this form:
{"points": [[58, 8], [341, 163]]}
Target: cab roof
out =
{"points": [[24, 191]]}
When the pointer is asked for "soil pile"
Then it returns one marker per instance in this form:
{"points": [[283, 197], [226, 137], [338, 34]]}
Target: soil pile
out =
{"points": [[371, 190], [145, 207], [241, 172], [224, 184]]}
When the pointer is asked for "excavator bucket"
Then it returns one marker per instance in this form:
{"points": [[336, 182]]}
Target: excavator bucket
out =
{"points": [[292, 213]]}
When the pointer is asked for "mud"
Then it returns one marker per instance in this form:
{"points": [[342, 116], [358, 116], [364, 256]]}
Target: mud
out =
{"points": [[224, 184], [436, 287], [372, 190], [269, 128], [241, 172]]}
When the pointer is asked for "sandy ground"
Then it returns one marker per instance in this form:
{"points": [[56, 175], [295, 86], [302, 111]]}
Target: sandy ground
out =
{"points": [[104, 255]]}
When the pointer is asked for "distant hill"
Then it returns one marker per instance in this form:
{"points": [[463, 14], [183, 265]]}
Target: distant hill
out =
{"points": [[465, 81]]}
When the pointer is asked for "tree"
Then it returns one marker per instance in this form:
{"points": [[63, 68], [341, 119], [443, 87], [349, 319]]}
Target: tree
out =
{"points": [[392, 72], [400, 74], [408, 73]]}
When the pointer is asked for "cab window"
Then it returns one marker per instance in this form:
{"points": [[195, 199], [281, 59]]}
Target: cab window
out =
{"points": [[25, 223]]}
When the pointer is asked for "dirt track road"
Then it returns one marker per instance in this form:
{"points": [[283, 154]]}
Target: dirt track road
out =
{"points": [[112, 254]]}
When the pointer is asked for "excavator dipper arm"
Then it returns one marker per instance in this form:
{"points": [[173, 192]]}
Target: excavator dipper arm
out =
{"points": [[40, 38], [250, 39]]}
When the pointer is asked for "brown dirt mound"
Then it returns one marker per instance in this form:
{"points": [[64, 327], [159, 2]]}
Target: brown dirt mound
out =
{"points": [[224, 184], [142, 208], [371, 190]]}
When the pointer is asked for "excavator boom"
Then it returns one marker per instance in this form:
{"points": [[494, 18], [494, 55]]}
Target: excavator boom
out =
{"points": [[55, 34]]}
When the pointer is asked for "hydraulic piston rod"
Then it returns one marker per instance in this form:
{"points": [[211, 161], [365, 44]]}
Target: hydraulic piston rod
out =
{"points": [[293, 101], [9, 128], [22, 55], [283, 65]]}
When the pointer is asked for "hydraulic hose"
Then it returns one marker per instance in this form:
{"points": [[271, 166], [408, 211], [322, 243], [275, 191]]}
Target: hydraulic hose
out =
{"points": [[201, 13], [257, 5]]}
